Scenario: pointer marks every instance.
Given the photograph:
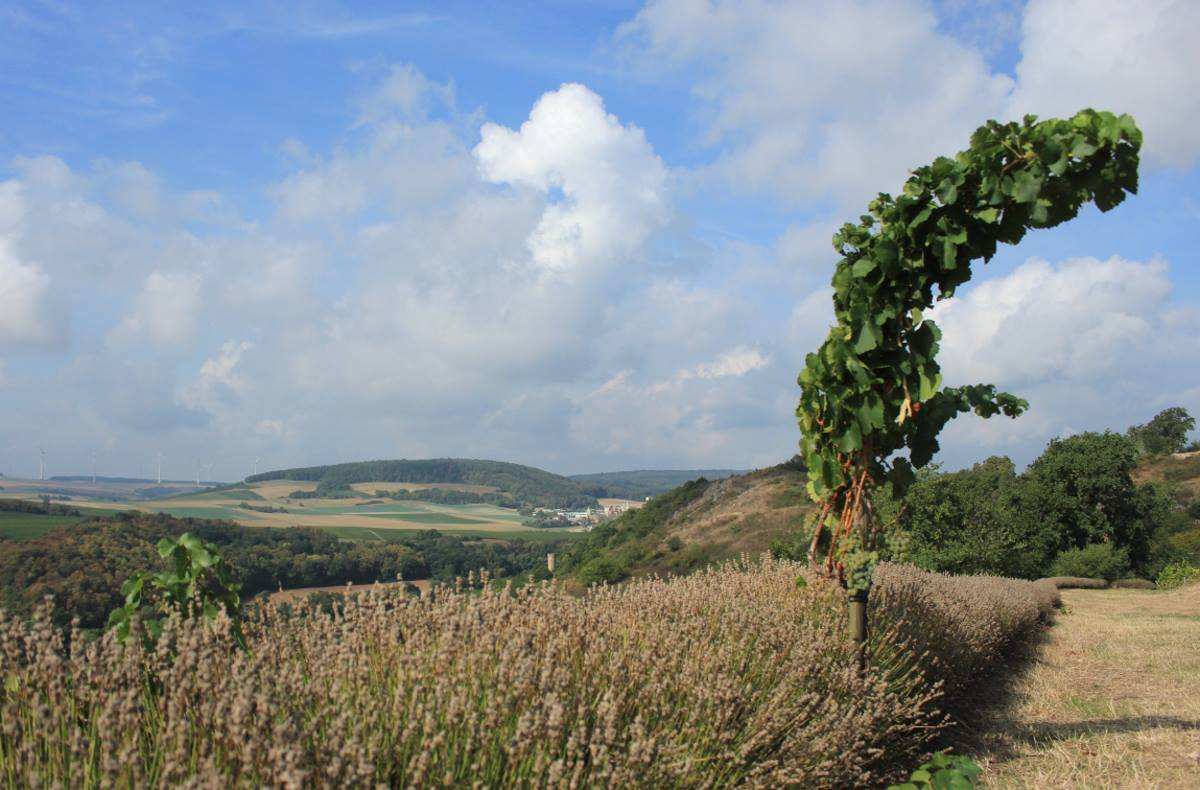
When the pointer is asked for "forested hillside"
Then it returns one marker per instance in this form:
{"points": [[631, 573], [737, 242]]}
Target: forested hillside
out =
{"points": [[522, 485], [642, 483], [84, 565]]}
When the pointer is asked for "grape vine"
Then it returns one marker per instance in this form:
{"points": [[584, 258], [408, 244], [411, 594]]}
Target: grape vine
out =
{"points": [[872, 402]]}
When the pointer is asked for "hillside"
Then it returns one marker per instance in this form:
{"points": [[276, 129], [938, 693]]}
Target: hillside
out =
{"points": [[696, 523], [704, 520], [520, 485], [1180, 470], [642, 483]]}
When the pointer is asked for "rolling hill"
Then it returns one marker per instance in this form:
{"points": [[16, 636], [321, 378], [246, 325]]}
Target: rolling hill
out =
{"points": [[697, 523], [518, 484], [642, 483]]}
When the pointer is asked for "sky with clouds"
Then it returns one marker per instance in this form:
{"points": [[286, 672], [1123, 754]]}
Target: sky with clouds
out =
{"points": [[584, 237]]}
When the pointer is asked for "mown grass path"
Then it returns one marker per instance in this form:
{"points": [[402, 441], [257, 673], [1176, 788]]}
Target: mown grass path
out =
{"points": [[1112, 699]]}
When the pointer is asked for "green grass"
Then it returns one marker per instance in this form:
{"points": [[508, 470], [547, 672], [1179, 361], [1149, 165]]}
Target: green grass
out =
{"points": [[427, 518], [25, 526], [184, 511]]}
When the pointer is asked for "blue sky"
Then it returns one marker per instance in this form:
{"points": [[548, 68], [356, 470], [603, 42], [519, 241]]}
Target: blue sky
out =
{"points": [[582, 236]]}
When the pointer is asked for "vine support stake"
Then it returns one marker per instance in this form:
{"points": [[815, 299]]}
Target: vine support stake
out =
{"points": [[858, 626]]}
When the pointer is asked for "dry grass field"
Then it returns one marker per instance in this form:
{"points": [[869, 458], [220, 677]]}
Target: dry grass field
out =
{"points": [[1112, 700], [279, 489]]}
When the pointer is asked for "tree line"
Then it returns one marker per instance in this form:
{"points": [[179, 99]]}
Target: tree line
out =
{"points": [[84, 565], [1077, 510]]}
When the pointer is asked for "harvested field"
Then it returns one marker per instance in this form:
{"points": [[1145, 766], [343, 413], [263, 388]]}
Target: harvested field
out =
{"points": [[278, 489], [629, 503], [1112, 701]]}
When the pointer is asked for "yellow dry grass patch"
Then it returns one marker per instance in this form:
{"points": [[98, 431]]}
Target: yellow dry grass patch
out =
{"points": [[279, 489], [745, 514], [629, 503], [1113, 700]]}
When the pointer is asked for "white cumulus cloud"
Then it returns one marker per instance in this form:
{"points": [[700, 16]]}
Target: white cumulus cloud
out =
{"points": [[809, 100], [612, 183], [1081, 318], [1140, 58], [165, 312]]}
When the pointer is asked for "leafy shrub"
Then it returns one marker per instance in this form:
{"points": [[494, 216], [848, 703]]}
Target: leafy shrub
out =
{"points": [[1096, 561], [198, 584], [1075, 583], [1133, 584], [1193, 509], [1177, 574], [731, 677], [943, 772], [601, 570]]}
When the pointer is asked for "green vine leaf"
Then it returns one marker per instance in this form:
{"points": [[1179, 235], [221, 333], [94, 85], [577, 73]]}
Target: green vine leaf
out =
{"points": [[871, 398]]}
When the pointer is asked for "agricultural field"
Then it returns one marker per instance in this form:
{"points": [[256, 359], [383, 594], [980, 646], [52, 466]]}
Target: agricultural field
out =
{"points": [[363, 518], [23, 526]]}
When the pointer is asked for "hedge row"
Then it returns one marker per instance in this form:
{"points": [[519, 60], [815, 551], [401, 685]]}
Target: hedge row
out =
{"points": [[736, 675]]}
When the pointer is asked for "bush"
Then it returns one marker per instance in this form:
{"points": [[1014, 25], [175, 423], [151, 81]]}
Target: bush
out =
{"points": [[602, 570], [1177, 574], [1095, 561], [733, 676], [1133, 584], [1075, 583]]}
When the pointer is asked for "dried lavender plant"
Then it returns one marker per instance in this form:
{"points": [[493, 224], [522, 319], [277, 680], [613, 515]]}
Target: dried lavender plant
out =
{"points": [[734, 676]]}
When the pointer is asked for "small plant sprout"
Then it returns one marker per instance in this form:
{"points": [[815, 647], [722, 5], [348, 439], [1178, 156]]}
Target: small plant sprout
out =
{"points": [[198, 584]]}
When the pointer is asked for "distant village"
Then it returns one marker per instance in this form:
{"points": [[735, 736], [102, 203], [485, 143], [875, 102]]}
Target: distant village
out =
{"points": [[585, 519]]}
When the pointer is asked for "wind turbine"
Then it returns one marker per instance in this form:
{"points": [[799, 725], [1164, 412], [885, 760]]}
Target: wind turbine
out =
{"points": [[160, 457], [255, 466], [93, 467], [42, 466]]}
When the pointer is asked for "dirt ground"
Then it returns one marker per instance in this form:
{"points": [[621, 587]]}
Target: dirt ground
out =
{"points": [[1112, 699]]}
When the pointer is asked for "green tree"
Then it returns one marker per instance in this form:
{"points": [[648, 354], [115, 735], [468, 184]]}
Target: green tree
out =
{"points": [[968, 522], [1083, 486], [1166, 433]]}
